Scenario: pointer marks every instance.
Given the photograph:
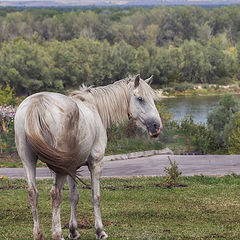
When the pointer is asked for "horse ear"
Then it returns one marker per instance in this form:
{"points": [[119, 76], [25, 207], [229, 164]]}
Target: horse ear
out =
{"points": [[149, 80], [136, 81]]}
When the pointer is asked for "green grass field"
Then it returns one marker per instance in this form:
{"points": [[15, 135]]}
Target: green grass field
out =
{"points": [[133, 208]]}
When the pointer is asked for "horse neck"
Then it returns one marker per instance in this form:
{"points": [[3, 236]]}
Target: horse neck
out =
{"points": [[112, 103]]}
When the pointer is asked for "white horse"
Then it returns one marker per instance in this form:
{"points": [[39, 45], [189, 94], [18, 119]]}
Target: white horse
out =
{"points": [[67, 132]]}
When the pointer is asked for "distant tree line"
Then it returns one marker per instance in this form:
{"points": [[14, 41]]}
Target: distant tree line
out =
{"points": [[57, 49]]}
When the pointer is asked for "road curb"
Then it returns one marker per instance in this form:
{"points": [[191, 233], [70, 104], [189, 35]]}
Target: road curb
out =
{"points": [[165, 151]]}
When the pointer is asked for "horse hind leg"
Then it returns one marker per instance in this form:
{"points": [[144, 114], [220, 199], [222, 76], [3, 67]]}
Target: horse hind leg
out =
{"points": [[96, 170], [73, 199], [29, 160], [56, 195]]}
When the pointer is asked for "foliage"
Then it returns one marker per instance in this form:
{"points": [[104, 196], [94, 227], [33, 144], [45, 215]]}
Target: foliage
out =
{"points": [[127, 137], [196, 134], [187, 127], [172, 173], [234, 138], [57, 50], [165, 115], [7, 114], [203, 139], [7, 96], [220, 120], [181, 87]]}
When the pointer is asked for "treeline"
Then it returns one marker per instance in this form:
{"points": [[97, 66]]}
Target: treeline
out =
{"points": [[57, 50]]}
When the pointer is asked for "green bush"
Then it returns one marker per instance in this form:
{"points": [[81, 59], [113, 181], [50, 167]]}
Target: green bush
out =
{"points": [[234, 138], [182, 87], [172, 173], [7, 96], [220, 120], [196, 134]]}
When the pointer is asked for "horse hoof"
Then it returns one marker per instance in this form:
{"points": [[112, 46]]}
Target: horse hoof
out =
{"points": [[38, 235], [74, 236], [57, 237], [102, 235]]}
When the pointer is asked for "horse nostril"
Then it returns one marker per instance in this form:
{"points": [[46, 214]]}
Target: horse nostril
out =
{"points": [[155, 125]]}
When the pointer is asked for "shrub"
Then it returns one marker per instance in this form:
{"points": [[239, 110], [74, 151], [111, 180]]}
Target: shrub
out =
{"points": [[196, 134], [220, 120], [181, 87], [166, 116], [172, 173], [7, 96], [234, 138], [7, 114]]}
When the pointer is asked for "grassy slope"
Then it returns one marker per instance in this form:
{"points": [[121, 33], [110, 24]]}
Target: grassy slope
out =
{"points": [[133, 209]]}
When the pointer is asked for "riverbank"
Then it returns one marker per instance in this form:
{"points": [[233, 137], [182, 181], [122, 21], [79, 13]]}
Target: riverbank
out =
{"points": [[197, 90]]}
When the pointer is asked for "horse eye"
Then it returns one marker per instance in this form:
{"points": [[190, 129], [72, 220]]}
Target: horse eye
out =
{"points": [[140, 99]]}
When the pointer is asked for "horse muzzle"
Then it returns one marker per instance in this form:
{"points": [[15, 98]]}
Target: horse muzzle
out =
{"points": [[154, 128]]}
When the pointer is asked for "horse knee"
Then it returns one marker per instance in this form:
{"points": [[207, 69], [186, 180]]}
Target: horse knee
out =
{"points": [[96, 200], [56, 196], [32, 196]]}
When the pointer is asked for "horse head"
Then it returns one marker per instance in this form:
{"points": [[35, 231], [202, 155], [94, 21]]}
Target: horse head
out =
{"points": [[142, 107]]}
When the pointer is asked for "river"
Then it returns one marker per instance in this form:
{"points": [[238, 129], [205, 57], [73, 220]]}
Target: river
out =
{"points": [[198, 107]]}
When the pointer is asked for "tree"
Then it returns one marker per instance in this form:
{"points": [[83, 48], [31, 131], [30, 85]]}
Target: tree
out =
{"points": [[123, 60], [165, 65], [194, 67], [23, 66], [220, 71]]}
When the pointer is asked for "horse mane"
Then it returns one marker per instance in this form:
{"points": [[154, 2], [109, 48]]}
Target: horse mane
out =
{"points": [[111, 101]]}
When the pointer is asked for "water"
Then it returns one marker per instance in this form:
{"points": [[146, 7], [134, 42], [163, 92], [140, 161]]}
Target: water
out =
{"points": [[198, 107]]}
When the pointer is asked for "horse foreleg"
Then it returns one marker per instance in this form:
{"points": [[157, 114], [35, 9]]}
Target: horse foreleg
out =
{"points": [[56, 195], [96, 170], [73, 199]]}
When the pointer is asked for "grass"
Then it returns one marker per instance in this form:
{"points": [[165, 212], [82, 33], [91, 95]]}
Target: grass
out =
{"points": [[133, 208]]}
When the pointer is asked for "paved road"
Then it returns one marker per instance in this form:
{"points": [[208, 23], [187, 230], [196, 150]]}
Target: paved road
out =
{"points": [[154, 165]]}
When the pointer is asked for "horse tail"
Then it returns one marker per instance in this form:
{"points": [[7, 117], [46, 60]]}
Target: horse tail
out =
{"points": [[40, 137]]}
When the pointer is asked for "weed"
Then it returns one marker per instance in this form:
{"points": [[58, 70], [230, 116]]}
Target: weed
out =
{"points": [[173, 174]]}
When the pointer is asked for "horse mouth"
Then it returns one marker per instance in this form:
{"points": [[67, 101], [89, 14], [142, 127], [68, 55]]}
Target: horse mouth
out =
{"points": [[155, 134]]}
